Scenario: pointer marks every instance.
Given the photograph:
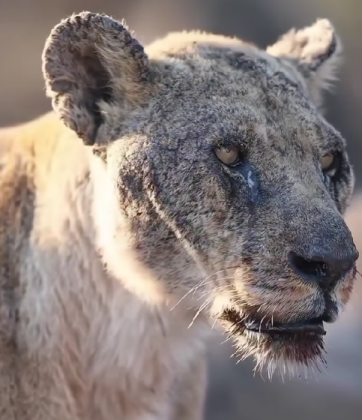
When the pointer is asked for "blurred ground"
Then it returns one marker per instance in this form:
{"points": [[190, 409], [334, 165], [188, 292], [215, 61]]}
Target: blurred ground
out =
{"points": [[233, 393]]}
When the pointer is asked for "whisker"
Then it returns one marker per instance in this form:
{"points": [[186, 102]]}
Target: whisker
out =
{"points": [[192, 290], [203, 283], [202, 307], [213, 324], [217, 290]]}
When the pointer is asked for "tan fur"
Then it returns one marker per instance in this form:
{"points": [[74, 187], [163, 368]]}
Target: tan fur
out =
{"points": [[115, 259], [50, 337]]}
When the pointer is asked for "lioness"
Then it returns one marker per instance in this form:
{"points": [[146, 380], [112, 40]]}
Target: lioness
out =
{"points": [[207, 188]]}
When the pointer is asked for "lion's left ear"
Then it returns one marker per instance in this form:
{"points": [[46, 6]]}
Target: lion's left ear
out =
{"points": [[315, 51]]}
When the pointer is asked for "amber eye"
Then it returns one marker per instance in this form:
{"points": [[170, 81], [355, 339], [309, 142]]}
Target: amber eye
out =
{"points": [[331, 163], [228, 157], [327, 161]]}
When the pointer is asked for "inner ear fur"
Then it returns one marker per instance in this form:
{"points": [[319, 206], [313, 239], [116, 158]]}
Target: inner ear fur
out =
{"points": [[91, 61]]}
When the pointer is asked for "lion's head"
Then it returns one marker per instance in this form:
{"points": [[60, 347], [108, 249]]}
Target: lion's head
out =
{"points": [[217, 171]]}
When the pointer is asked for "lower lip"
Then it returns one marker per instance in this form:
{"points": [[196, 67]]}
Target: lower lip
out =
{"points": [[309, 328]]}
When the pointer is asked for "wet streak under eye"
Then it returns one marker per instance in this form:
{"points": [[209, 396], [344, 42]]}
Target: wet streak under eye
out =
{"points": [[251, 178]]}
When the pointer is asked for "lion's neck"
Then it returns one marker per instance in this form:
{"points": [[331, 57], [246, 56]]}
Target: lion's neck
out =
{"points": [[115, 339]]}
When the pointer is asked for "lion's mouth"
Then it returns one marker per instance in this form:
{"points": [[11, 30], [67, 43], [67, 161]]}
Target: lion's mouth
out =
{"points": [[271, 341], [312, 326]]}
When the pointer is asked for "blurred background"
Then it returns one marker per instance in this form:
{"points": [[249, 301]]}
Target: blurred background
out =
{"points": [[234, 391]]}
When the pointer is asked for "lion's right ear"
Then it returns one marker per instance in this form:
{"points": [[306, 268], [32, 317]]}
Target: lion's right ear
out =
{"points": [[91, 61]]}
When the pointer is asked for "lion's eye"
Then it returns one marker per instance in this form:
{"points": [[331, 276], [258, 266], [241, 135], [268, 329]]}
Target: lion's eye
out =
{"points": [[328, 161], [228, 157], [331, 163]]}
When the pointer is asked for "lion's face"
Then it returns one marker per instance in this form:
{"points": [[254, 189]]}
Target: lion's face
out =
{"points": [[229, 181]]}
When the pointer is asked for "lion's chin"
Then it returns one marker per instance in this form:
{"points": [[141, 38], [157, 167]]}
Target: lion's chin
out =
{"points": [[277, 345]]}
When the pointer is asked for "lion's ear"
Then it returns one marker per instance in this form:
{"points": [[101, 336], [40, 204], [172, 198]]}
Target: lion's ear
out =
{"points": [[315, 51], [90, 62]]}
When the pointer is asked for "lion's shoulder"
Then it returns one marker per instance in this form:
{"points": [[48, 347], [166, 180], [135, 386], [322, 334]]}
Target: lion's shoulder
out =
{"points": [[34, 158], [34, 138], [45, 144]]}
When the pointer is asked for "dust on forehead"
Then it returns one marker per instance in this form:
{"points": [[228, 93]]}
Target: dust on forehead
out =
{"points": [[236, 87]]}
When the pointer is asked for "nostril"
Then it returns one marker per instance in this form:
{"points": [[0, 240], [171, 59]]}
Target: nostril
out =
{"points": [[308, 269]]}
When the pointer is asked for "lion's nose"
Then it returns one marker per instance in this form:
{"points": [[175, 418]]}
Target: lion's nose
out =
{"points": [[326, 268]]}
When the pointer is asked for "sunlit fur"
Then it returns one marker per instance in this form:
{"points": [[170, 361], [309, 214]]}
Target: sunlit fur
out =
{"points": [[123, 237]]}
